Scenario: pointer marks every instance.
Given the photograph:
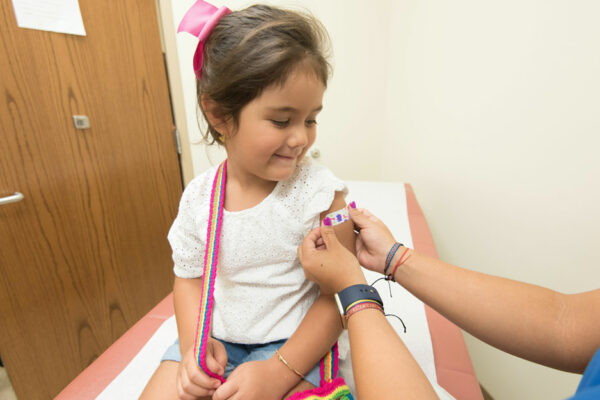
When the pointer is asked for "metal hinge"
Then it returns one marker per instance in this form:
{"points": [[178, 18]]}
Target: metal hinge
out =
{"points": [[177, 140]]}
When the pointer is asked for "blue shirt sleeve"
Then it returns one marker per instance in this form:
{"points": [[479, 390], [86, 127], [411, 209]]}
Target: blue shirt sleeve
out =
{"points": [[589, 387]]}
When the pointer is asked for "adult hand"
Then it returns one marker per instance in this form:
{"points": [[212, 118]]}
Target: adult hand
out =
{"points": [[374, 239], [253, 380], [329, 264], [192, 382]]}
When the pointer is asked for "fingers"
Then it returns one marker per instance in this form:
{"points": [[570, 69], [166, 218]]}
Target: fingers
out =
{"points": [[215, 365], [359, 244], [221, 356], [329, 237], [226, 391], [320, 243], [312, 238], [309, 244], [201, 384], [359, 218], [196, 384], [216, 357], [362, 217], [194, 380]]}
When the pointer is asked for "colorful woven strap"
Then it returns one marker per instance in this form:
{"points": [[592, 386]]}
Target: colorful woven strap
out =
{"points": [[334, 390], [331, 388], [329, 365], [211, 257]]}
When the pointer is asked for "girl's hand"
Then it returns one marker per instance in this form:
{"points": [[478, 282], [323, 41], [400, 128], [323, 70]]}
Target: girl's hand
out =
{"points": [[374, 240], [192, 382], [254, 380], [329, 264]]}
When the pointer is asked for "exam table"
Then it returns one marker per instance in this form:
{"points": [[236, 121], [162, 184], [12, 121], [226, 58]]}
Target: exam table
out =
{"points": [[123, 369]]}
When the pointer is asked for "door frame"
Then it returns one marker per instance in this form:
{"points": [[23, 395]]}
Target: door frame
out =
{"points": [[169, 45]]}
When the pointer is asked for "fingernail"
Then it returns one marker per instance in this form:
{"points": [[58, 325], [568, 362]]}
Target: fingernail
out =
{"points": [[327, 222], [353, 204]]}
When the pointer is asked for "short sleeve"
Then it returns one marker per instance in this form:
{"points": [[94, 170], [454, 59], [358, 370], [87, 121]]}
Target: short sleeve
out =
{"points": [[589, 386], [186, 236], [322, 185]]}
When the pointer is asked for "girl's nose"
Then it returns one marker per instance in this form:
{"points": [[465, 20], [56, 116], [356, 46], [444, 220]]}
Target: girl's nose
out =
{"points": [[298, 137]]}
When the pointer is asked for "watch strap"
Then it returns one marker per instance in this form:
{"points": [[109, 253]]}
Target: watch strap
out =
{"points": [[358, 293]]}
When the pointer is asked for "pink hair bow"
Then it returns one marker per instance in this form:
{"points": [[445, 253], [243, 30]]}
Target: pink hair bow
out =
{"points": [[200, 20]]}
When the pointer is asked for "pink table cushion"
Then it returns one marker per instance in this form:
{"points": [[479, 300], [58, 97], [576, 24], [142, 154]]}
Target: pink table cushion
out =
{"points": [[453, 365]]}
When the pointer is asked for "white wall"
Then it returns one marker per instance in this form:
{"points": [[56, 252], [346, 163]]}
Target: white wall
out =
{"points": [[492, 111], [344, 115], [494, 116]]}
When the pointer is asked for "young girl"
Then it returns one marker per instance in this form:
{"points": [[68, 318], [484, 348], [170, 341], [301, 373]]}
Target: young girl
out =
{"points": [[261, 78]]}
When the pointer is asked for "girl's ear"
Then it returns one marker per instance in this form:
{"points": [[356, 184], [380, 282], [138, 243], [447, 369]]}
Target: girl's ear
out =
{"points": [[214, 116]]}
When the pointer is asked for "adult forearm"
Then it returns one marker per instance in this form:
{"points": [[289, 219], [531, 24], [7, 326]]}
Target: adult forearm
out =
{"points": [[383, 366], [522, 319]]}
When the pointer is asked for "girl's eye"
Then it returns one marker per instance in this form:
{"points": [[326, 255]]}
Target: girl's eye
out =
{"points": [[280, 124], [311, 122]]}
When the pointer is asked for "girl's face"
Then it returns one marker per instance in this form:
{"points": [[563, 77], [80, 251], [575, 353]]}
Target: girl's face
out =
{"points": [[276, 129]]}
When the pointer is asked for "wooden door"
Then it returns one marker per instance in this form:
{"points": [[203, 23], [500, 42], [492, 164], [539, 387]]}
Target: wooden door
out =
{"points": [[84, 254]]}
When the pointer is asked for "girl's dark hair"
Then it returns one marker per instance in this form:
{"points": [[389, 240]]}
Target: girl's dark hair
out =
{"points": [[252, 49]]}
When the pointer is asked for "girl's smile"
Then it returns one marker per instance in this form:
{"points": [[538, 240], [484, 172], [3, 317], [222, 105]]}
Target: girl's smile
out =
{"points": [[275, 130]]}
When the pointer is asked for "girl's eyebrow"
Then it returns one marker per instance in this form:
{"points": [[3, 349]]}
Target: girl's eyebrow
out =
{"points": [[291, 109]]}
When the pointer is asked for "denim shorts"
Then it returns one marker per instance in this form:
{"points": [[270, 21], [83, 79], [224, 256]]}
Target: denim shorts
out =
{"points": [[240, 353]]}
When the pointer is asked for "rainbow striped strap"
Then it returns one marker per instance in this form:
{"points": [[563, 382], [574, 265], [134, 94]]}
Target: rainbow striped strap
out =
{"points": [[329, 365], [211, 256], [331, 388], [334, 390]]}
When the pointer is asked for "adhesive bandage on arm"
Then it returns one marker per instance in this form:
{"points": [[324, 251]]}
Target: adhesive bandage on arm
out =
{"points": [[339, 216]]}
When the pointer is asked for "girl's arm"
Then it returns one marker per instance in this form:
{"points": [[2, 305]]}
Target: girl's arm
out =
{"points": [[321, 325], [191, 380], [314, 337], [186, 298]]}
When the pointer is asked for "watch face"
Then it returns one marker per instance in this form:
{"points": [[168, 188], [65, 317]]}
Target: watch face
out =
{"points": [[340, 310]]}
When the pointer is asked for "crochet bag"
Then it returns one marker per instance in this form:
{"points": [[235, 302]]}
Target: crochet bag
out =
{"points": [[331, 387]]}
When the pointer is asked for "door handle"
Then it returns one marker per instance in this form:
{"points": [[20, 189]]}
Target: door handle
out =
{"points": [[12, 198]]}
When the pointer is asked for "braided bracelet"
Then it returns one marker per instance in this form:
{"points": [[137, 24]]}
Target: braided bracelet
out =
{"points": [[390, 256], [363, 306], [401, 261]]}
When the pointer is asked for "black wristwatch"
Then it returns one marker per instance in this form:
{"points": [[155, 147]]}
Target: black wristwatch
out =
{"points": [[352, 294]]}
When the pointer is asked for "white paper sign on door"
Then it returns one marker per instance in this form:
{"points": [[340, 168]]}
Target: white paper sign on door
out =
{"points": [[63, 16]]}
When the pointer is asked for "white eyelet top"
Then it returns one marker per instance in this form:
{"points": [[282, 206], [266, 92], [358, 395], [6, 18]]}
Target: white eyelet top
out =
{"points": [[261, 293]]}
